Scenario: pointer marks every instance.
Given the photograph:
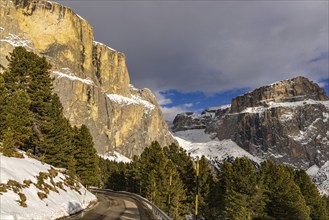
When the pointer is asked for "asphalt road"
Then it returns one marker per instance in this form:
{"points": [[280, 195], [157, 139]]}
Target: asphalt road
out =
{"points": [[113, 206]]}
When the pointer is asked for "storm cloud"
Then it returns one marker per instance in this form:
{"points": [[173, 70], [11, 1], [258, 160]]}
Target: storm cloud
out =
{"points": [[213, 46]]}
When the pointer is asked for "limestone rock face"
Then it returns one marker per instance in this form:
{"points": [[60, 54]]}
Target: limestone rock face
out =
{"points": [[287, 122], [91, 79], [294, 133], [296, 89], [190, 120]]}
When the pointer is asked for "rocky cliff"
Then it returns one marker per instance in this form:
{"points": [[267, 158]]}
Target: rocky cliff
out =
{"points": [[287, 122], [206, 120], [291, 90], [91, 78]]}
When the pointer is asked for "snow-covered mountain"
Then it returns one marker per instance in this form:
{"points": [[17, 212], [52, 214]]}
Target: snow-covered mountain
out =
{"points": [[287, 122], [197, 143], [30, 189]]}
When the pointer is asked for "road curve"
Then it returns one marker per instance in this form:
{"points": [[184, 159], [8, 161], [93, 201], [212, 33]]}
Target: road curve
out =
{"points": [[112, 206]]}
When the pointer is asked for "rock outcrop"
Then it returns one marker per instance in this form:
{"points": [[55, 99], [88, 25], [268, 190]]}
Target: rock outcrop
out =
{"points": [[91, 78], [291, 90], [191, 120], [287, 122]]}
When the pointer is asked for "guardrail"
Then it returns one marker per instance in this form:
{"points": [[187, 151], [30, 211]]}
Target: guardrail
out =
{"points": [[161, 215]]}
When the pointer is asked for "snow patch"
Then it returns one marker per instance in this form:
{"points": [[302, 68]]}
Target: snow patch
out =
{"points": [[56, 205], [320, 177], [222, 107], [197, 143], [70, 76], [134, 100], [262, 109], [117, 157], [16, 40], [313, 170], [99, 43]]}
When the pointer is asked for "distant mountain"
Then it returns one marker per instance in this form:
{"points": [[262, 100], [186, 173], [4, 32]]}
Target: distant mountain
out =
{"points": [[287, 122]]}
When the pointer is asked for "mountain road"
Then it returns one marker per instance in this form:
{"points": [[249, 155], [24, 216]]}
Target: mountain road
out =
{"points": [[112, 206]]}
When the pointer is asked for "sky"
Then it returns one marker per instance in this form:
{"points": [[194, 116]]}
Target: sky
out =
{"points": [[198, 54]]}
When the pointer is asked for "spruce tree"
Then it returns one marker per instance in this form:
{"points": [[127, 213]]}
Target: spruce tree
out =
{"points": [[186, 170], [86, 157], [56, 143], [173, 192], [311, 195], [3, 96], [17, 116], [8, 143], [285, 198]]}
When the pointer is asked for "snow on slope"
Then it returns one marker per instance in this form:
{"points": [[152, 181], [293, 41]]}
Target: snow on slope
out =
{"points": [[117, 157], [64, 202], [320, 177], [65, 73], [134, 100], [198, 143]]}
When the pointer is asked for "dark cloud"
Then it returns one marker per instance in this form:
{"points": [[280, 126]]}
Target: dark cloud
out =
{"points": [[213, 46]]}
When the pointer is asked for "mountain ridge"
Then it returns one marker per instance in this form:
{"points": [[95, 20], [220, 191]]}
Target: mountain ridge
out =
{"points": [[287, 128]]}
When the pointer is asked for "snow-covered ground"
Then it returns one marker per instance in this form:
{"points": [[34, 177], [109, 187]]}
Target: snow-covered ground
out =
{"points": [[198, 143], [320, 177], [116, 156], [59, 202]]}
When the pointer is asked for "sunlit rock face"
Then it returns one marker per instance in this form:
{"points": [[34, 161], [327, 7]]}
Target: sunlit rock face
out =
{"points": [[287, 122], [91, 78]]}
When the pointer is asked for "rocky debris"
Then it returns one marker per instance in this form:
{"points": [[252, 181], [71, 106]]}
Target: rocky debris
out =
{"points": [[191, 120], [87, 76]]}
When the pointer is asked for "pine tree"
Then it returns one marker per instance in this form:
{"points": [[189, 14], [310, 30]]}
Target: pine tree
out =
{"points": [[20, 67], [8, 143], [56, 142], [285, 198], [311, 195], [3, 97], [174, 193], [185, 168], [17, 116], [86, 157]]}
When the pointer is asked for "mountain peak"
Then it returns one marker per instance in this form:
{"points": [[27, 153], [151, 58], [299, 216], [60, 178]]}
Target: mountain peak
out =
{"points": [[295, 89]]}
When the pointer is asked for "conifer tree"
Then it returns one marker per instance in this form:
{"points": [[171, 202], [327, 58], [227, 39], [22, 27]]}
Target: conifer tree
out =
{"points": [[17, 116], [285, 198], [56, 142], [174, 193], [3, 96], [185, 168], [86, 157], [311, 195], [8, 143]]}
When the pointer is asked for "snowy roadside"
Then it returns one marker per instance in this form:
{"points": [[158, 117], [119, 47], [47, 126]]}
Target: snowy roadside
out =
{"points": [[32, 190]]}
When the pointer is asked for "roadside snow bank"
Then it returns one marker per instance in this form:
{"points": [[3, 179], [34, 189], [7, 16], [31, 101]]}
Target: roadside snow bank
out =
{"points": [[30, 180]]}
